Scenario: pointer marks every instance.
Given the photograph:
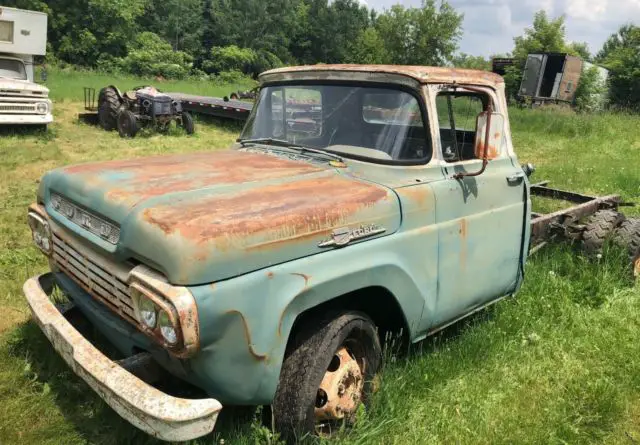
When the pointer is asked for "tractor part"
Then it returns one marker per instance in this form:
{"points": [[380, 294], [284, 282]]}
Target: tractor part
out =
{"points": [[109, 105], [186, 122], [127, 124]]}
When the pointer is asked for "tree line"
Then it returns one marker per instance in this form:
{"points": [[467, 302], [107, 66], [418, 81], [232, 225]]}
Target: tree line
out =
{"points": [[230, 38], [173, 38]]}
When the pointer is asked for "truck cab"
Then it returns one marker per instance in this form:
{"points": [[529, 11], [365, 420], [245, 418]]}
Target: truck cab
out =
{"points": [[23, 35], [358, 200]]}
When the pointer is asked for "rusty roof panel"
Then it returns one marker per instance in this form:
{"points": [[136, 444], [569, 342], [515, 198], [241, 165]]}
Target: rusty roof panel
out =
{"points": [[422, 74]]}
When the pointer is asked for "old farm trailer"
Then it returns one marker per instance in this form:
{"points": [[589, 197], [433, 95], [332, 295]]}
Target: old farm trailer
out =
{"points": [[553, 77]]}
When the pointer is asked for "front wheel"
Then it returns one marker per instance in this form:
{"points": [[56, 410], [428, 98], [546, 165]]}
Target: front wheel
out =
{"points": [[127, 124], [327, 374]]}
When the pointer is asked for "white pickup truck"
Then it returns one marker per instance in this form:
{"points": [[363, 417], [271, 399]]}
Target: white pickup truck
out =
{"points": [[23, 35]]}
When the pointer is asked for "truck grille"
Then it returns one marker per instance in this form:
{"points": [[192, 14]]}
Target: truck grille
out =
{"points": [[17, 108], [109, 287]]}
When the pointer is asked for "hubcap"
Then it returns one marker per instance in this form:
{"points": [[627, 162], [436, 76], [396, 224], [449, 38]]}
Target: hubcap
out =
{"points": [[340, 391]]}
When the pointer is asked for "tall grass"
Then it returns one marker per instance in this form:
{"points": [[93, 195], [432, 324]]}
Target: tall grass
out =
{"points": [[68, 84], [559, 363]]}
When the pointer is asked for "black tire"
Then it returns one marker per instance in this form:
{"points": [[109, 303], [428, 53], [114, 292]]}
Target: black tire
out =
{"points": [[109, 105], [187, 123], [311, 352], [628, 236], [599, 227], [127, 124]]}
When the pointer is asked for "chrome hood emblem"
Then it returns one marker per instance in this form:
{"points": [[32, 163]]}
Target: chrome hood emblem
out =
{"points": [[345, 235], [85, 219]]}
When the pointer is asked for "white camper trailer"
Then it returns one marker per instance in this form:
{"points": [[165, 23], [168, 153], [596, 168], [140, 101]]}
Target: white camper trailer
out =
{"points": [[23, 35]]}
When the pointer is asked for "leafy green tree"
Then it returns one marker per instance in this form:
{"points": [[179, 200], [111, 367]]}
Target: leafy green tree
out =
{"points": [[468, 61], [180, 22], [230, 58], [368, 48], [427, 35], [580, 49], [326, 32], [150, 55], [590, 93], [621, 55], [546, 35]]}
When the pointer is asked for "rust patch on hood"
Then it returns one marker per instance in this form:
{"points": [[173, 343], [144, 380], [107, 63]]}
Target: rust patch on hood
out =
{"points": [[285, 210], [132, 181]]}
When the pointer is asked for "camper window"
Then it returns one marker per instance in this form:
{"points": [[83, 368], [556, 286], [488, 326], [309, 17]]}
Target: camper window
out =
{"points": [[6, 31], [13, 69]]}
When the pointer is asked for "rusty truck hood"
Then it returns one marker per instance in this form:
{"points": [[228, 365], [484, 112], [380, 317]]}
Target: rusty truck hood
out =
{"points": [[204, 217]]}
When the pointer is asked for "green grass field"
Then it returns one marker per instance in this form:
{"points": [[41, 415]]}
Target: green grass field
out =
{"points": [[558, 364]]}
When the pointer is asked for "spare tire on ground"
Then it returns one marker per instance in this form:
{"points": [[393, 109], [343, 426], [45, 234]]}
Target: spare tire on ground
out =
{"points": [[109, 105], [599, 227], [627, 235]]}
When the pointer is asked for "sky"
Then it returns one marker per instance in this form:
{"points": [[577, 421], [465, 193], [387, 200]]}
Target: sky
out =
{"points": [[491, 25]]}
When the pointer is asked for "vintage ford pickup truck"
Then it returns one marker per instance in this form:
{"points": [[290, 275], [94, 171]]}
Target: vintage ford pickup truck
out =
{"points": [[359, 200]]}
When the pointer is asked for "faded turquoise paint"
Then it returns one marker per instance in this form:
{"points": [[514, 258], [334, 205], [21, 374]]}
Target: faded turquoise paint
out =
{"points": [[450, 245], [205, 227]]}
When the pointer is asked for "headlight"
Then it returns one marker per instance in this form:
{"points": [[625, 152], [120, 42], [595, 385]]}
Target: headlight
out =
{"points": [[42, 107], [148, 312], [40, 232], [167, 329]]}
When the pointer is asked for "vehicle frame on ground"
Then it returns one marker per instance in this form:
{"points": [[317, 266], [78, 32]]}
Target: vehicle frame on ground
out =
{"points": [[271, 273]]}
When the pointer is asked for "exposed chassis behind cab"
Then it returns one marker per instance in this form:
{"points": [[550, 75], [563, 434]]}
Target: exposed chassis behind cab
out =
{"points": [[565, 222]]}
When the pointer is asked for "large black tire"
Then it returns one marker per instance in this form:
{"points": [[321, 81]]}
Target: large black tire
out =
{"points": [[600, 227], [109, 105], [187, 123], [628, 236], [312, 354], [127, 124]]}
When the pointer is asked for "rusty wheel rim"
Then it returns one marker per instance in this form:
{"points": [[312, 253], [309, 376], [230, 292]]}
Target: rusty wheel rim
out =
{"points": [[340, 392]]}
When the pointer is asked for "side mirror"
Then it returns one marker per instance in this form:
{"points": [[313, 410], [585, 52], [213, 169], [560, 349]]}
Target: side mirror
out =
{"points": [[492, 135], [488, 143]]}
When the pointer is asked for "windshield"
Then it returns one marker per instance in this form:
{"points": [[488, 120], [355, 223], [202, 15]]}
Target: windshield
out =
{"points": [[378, 123], [13, 69]]}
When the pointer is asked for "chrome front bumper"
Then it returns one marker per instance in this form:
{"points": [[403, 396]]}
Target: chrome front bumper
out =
{"points": [[158, 414]]}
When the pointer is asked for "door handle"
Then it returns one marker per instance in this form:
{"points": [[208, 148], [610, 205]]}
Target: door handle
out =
{"points": [[516, 178]]}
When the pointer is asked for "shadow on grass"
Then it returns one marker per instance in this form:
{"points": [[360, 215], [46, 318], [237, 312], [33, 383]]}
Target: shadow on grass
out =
{"points": [[41, 131], [91, 417]]}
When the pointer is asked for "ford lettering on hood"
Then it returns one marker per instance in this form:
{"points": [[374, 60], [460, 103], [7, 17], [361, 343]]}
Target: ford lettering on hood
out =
{"points": [[204, 217]]}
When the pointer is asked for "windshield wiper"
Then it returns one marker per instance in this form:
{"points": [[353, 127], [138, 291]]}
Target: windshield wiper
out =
{"points": [[269, 141], [287, 144]]}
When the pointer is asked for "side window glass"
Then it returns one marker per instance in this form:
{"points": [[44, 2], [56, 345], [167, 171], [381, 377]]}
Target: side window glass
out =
{"points": [[277, 113], [457, 119]]}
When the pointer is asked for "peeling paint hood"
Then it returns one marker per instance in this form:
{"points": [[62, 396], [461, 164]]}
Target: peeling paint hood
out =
{"points": [[204, 217]]}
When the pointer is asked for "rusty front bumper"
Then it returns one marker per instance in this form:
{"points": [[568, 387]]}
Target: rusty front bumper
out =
{"points": [[156, 413]]}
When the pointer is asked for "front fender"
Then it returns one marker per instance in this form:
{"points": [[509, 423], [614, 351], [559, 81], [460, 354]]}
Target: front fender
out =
{"points": [[245, 322]]}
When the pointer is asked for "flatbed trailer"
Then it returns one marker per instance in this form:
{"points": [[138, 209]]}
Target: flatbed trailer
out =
{"points": [[214, 106]]}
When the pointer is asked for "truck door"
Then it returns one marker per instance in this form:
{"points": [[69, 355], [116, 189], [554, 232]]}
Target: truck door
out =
{"points": [[480, 219]]}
